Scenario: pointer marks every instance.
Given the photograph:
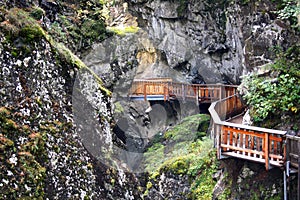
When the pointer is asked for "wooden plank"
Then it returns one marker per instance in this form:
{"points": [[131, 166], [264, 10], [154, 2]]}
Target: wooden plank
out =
{"points": [[294, 155], [230, 147], [218, 138], [224, 133], [260, 135], [247, 143], [276, 156], [252, 142], [275, 150], [230, 137], [233, 154]]}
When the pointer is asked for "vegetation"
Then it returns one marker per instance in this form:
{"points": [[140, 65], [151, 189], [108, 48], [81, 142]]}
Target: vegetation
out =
{"points": [[23, 150], [182, 8], [289, 9], [123, 30], [185, 151], [23, 31], [22, 168], [278, 95]]}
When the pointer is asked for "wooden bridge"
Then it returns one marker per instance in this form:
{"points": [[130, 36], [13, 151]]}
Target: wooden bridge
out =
{"points": [[273, 148], [165, 89]]}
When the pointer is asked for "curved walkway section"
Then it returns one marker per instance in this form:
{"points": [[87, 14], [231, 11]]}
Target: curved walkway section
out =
{"points": [[247, 142]]}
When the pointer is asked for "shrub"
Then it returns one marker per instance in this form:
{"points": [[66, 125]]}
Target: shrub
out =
{"points": [[279, 94], [290, 10]]}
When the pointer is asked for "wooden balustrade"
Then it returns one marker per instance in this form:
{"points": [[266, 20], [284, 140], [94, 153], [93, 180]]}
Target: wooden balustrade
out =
{"points": [[168, 88], [242, 141]]}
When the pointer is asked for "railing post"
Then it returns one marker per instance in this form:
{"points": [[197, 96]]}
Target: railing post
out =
{"points": [[165, 93], [183, 92], [197, 95], [145, 92], [168, 91], [266, 150], [218, 139]]}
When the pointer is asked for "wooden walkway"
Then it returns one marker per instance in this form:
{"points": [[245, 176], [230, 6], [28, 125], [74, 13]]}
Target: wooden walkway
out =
{"points": [[165, 89], [268, 146]]}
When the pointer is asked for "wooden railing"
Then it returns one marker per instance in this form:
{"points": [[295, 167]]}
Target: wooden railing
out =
{"points": [[242, 141], [169, 89], [272, 147], [293, 150]]}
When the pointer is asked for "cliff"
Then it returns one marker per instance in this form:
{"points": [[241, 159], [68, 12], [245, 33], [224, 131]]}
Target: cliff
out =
{"points": [[67, 129]]}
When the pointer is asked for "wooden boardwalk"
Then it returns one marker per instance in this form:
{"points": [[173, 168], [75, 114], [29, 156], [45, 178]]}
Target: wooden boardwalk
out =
{"points": [[165, 89], [274, 148]]}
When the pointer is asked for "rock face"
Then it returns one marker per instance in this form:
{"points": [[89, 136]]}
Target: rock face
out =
{"points": [[241, 179], [46, 144], [216, 40]]}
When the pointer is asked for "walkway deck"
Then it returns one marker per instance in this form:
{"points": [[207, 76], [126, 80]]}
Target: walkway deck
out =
{"points": [[231, 138]]}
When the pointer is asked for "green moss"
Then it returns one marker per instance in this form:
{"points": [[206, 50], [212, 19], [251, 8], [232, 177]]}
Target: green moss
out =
{"points": [[154, 156], [93, 28], [37, 13], [5, 142], [4, 111], [22, 31], [178, 141], [225, 194], [181, 152], [123, 30], [23, 162], [182, 8], [149, 185], [178, 165], [31, 33], [118, 108], [71, 58], [189, 128]]}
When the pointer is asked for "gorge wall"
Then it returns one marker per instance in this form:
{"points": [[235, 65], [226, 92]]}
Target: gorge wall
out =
{"points": [[57, 116], [214, 41]]}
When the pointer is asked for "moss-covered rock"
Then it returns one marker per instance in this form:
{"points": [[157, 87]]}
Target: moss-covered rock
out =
{"points": [[22, 159], [181, 163]]}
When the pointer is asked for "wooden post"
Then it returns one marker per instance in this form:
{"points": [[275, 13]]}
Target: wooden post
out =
{"points": [[145, 92], [218, 139], [267, 150], [165, 96], [197, 95], [168, 90], [183, 92]]}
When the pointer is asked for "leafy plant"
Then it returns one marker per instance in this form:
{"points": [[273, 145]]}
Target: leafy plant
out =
{"points": [[279, 94], [290, 10]]}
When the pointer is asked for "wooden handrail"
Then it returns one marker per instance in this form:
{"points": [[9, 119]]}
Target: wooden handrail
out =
{"points": [[217, 120], [208, 92], [243, 141]]}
